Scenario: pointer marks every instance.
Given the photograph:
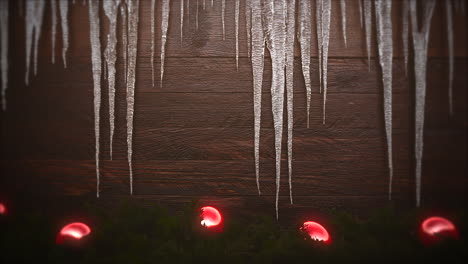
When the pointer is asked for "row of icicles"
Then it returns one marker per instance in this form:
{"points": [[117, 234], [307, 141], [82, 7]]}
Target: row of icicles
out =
{"points": [[270, 24]]}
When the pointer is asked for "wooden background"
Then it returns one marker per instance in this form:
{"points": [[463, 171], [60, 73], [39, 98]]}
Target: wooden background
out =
{"points": [[193, 137]]}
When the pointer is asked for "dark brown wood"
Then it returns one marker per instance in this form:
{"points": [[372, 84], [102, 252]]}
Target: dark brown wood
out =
{"points": [[194, 136]]}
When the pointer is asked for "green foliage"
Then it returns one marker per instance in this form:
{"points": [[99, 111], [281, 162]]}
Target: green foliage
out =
{"points": [[131, 233]]}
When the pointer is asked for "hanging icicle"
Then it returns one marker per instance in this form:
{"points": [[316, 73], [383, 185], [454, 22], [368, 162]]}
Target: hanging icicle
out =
{"points": [[248, 24], [304, 36], [63, 6], [223, 8], [164, 26], [275, 34], [153, 4], [4, 38], [326, 15], [360, 11], [181, 20], [449, 17], [236, 18], [368, 27], [258, 54], [133, 7], [420, 36], [34, 18], [405, 31], [123, 14], [343, 20], [188, 12], [96, 66], [53, 11], [196, 17], [383, 16], [289, 53], [111, 8], [204, 4], [318, 23]]}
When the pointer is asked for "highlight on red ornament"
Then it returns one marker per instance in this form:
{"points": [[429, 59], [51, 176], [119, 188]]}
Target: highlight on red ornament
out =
{"points": [[73, 231], [3, 209], [436, 229], [316, 231], [210, 217]]}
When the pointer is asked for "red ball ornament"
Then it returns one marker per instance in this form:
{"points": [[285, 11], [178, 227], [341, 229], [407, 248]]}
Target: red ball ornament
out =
{"points": [[3, 209], [316, 231], [210, 217], [73, 231], [436, 229]]}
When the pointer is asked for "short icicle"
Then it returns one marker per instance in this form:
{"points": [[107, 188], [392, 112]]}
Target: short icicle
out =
{"points": [[343, 20], [34, 19], [420, 36], [4, 38], [289, 53], [223, 8], [164, 26], [275, 31], [318, 23], [63, 7], [236, 18], [383, 15], [94, 25], [111, 9], [304, 35], [360, 11], [258, 54], [133, 7], [181, 21], [368, 27]]}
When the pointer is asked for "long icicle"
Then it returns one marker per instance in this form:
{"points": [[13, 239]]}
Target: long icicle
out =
{"points": [[4, 38], [368, 27], [304, 36], [181, 21], [326, 15], [196, 16], [53, 10], [248, 25], [96, 65], [275, 30], [63, 6], [123, 14], [153, 4], [420, 44], [258, 54], [383, 15], [164, 26], [405, 32], [289, 53], [318, 23], [133, 19], [34, 18], [236, 18], [449, 17], [343, 20], [223, 8], [111, 9]]}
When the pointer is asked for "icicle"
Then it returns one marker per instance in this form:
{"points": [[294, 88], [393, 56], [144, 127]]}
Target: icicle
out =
{"points": [[248, 24], [4, 38], [123, 14], [63, 6], [289, 53], [360, 11], [211, 3], [420, 43], [223, 7], [368, 27], [196, 17], [405, 32], [326, 15], [133, 18], [164, 26], [204, 4], [188, 11], [111, 8], [96, 65], [275, 30], [449, 17], [153, 3], [53, 10], [383, 15], [236, 17], [34, 18], [304, 36], [258, 54], [343, 20], [181, 20], [318, 22]]}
